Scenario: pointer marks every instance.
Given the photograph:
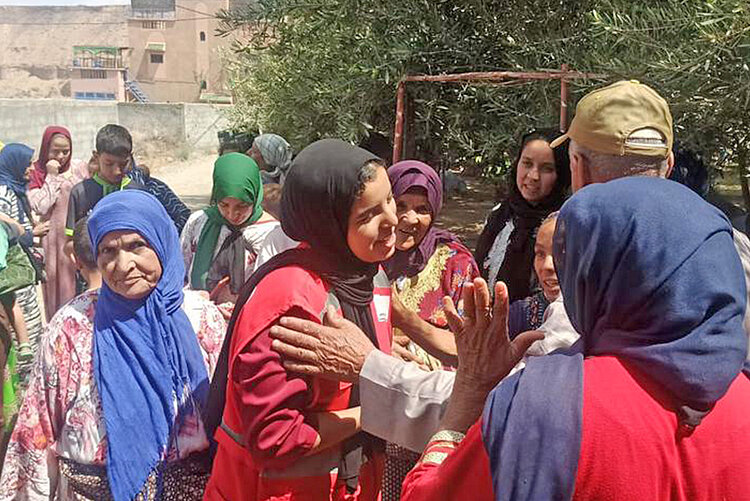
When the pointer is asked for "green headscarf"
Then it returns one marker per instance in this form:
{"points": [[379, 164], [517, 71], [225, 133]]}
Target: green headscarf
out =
{"points": [[235, 175]]}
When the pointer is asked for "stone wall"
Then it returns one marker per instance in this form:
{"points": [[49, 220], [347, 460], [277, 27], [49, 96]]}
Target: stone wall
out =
{"points": [[165, 130]]}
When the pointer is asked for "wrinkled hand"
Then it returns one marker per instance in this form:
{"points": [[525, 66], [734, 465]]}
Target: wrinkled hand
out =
{"points": [[485, 353], [53, 167], [41, 229], [335, 350]]}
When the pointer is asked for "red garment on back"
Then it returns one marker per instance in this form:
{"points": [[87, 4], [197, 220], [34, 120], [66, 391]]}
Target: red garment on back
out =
{"points": [[630, 449], [272, 411]]}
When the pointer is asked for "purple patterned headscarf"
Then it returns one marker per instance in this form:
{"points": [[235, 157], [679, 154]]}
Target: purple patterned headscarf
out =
{"points": [[410, 174]]}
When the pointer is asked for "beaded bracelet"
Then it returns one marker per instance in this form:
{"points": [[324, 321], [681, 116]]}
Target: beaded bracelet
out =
{"points": [[440, 446]]}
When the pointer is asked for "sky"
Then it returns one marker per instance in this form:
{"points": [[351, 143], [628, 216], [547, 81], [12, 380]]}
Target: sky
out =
{"points": [[64, 2]]}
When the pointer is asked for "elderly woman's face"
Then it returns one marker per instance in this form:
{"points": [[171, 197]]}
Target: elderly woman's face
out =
{"points": [[129, 266], [414, 218]]}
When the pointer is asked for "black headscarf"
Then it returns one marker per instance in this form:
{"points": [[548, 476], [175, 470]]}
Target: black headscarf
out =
{"points": [[318, 194], [519, 255]]}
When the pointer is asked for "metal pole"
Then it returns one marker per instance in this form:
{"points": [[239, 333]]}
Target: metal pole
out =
{"points": [[564, 100], [398, 133]]}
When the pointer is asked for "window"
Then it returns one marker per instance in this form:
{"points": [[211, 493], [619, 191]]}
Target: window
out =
{"points": [[93, 74], [154, 25], [203, 36], [157, 58]]}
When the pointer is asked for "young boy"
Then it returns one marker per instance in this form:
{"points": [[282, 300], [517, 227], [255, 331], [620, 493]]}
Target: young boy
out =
{"points": [[113, 160], [83, 256]]}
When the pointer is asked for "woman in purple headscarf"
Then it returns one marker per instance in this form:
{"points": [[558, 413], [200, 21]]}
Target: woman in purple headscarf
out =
{"points": [[428, 265]]}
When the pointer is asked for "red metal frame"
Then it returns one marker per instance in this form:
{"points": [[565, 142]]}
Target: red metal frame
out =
{"points": [[563, 74]]}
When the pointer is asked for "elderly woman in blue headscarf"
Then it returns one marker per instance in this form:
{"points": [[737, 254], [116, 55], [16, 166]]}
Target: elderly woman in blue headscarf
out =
{"points": [[652, 401], [114, 409]]}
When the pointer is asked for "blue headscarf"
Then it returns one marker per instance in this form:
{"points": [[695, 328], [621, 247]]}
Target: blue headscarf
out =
{"points": [[148, 366], [663, 293], [15, 158]]}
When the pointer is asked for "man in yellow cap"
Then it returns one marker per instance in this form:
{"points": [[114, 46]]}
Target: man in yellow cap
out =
{"points": [[621, 130], [624, 129]]}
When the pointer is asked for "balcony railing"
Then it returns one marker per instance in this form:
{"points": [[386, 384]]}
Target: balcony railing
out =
{"points": [[97, 57], [152, 14]]}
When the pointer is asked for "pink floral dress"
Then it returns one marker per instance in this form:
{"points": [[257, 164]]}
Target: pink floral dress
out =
{"points": [[50, 201], [61, 416]]}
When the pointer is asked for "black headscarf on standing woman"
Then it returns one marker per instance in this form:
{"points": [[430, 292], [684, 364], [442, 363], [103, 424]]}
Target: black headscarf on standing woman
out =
{"points": [[319, 191], [516, 270]]}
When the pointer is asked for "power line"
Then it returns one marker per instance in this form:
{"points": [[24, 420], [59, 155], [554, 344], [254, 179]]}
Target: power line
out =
{"points": [[101, 23], [195, 11]]}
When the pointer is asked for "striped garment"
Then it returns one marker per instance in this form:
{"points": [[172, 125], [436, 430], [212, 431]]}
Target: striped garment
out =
{"points": [[26, 297], [177, 210]]}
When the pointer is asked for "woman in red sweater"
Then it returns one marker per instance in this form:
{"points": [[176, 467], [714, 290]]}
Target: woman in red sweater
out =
{"points": [[282, 435], [653, 401]]}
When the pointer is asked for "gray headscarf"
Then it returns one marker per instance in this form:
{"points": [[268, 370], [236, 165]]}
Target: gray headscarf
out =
{"points": [[277, 153]]}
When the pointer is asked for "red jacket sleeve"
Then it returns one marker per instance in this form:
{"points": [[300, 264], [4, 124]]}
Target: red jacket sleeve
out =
{"points": [[272, 404], [463, 475]]}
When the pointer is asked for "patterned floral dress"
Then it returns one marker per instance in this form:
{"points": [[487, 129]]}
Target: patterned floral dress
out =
{"points": [[449, 268], [61, 427]]}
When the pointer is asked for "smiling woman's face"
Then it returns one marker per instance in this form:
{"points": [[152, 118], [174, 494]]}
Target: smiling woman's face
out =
{"points": [[129, 266], [544, 265], [414, 218], [371, 234], [536, 174]]}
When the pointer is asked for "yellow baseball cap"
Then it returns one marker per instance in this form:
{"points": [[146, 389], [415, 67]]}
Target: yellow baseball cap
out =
{"points": [[608, 120]]}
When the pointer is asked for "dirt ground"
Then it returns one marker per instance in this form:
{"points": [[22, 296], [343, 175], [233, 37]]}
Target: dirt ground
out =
{"points": [[462, 214]]}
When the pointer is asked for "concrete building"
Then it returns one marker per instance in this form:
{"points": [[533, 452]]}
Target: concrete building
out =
{"points": [[175, 53], [99, 73], [154, 50]]}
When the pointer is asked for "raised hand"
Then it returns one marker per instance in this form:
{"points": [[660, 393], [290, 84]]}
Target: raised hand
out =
{"points": [[53, 167], [485, 353]]}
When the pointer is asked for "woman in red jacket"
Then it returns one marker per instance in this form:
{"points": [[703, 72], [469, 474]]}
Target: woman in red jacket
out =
{"points": [[652, 402], [282, 435]]}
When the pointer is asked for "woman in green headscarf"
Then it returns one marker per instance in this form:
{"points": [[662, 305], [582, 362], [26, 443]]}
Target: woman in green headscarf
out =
{"points": [[221, 242]]}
